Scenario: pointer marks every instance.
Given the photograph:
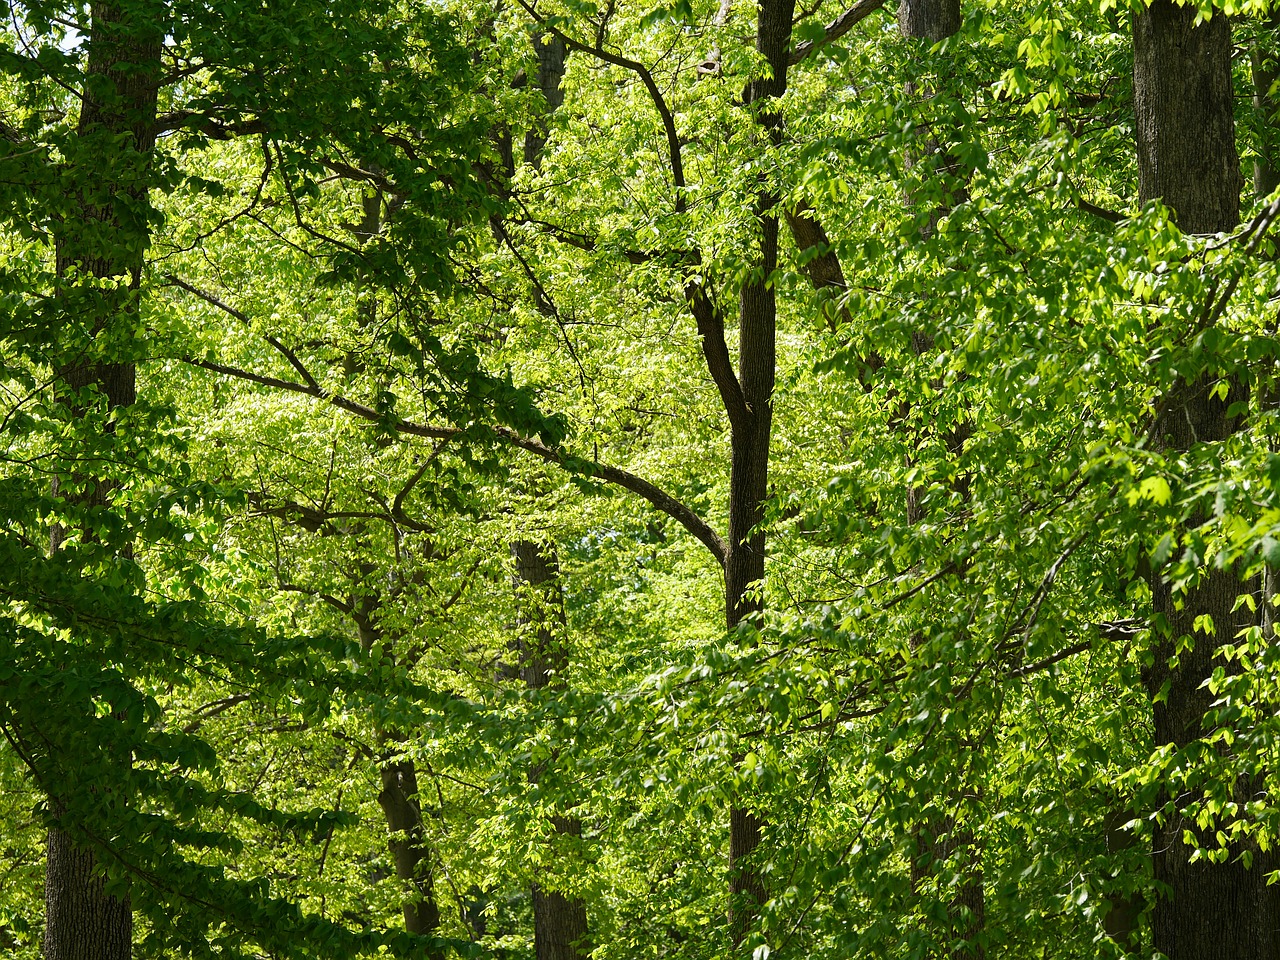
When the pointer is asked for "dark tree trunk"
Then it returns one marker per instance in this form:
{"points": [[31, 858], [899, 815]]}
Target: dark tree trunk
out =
{"points": [[82, 922], [1187, 157], [409, 851], [751, 432], [560, 930], [111, 168], [1184, 117], [399, 798], [932, 20], [551, 56]]}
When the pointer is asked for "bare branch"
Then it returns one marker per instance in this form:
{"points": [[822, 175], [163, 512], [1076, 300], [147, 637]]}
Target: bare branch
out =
{"points": [[211, 710], [658, 497], [640, 70]]}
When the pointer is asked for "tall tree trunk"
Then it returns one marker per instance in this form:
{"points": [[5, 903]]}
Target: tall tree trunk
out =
{"points": [[551, 56], [1187, 157], [104, 236], [1184, 116], [560, 930], [401, 808], [82, 922], [944, 838], [751, 431], [560, 927]]}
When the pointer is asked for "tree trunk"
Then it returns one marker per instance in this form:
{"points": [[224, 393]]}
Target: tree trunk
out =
{"points": [[1187, 157], [104, 236], [399, 799], [551, 56], [400, 807], [751, 432], [1184, 117], [942, 839], [82, 922], [560, 930]]}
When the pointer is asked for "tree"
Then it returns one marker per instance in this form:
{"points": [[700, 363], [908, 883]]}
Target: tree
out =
{"points": [[871, 593], [95, 183]]}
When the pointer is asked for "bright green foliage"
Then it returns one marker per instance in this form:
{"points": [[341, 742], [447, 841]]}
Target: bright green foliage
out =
{"points": [[376, 347]]}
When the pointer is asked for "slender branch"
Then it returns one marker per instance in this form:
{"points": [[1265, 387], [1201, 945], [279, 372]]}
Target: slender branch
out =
{"points": [[397, 505], [584, 242], [396, 424], [666, 503], [211, 710], [823, 268], [640, 70], [1109, 215], [210, 127]]}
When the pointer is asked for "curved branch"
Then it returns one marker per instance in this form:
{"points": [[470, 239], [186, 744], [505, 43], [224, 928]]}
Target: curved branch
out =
{"points": [[641, 71], [659, 498], [716, 353]]}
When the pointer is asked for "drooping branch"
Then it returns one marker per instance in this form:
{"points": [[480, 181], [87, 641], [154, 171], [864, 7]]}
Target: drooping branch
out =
{"points": [[659, 498], [646, 77]]}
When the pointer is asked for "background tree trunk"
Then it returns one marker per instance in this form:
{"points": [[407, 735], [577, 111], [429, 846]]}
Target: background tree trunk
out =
{"points": [[1187, 157], [1185, 118], [399, 797], [1265, 70], [942, 839], [560, 930]]}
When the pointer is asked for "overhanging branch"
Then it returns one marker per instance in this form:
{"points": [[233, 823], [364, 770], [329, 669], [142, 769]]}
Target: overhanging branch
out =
{"points": [[659, 498]]}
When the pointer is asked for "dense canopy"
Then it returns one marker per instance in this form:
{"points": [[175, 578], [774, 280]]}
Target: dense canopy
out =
{"points": [[560, 479]]}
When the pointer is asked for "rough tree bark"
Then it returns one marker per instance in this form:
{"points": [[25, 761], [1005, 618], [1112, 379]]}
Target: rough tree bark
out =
{"points": [[1184, 112], [560, 930], [102, 236], [1184, 117]]}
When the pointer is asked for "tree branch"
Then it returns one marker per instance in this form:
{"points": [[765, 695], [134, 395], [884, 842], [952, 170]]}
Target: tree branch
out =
{"points": [[823, 270], [640, 70], [659, 498], [716, 352], [836, 29]]}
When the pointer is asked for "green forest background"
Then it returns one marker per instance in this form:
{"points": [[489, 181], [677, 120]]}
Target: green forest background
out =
{"points": [[580, 478]]}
